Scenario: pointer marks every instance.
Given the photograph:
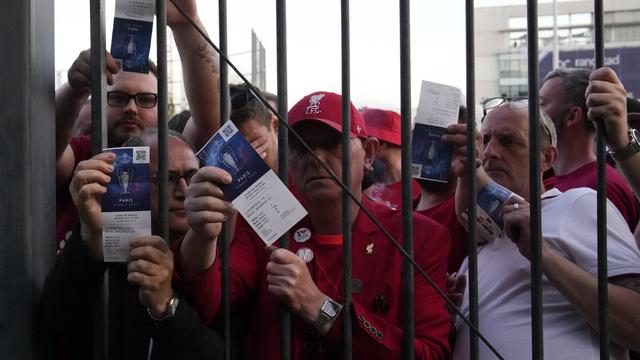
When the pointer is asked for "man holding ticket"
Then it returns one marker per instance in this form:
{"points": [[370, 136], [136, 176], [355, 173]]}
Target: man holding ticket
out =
{"points": [[307, 278], [147, 305], [132, 101], [569, 248]]}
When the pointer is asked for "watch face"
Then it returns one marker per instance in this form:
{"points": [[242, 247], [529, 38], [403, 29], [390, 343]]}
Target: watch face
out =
{"points": [[329, 308]]}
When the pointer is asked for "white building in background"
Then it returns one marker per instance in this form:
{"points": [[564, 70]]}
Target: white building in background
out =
{"points": [[501, 43]]}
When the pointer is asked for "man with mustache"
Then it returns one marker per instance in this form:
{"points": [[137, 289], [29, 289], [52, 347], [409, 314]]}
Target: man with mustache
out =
{"points": [[145, 305], [307, 278], [569, 252], [132, 105]]}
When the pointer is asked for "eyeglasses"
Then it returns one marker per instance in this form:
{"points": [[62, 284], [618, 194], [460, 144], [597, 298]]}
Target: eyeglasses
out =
{"points": [[174, 178], [519, 101], [496, 102], [121, 99]]}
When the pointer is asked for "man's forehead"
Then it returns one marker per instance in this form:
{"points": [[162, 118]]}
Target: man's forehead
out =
{"points": [[505, 117], [134, 82]]}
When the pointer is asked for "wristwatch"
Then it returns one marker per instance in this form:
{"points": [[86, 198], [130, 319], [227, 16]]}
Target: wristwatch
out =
{"points": [[172, 306], [329, 311], [631, 148]]}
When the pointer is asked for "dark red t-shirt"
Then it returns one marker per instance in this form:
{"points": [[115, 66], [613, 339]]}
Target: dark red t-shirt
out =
{"points": [[618, 191], [445, 214], [66, 213]]}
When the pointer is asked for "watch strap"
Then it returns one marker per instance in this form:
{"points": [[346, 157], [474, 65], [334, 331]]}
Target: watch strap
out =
{"points": [[630, 149], [172, 306]]}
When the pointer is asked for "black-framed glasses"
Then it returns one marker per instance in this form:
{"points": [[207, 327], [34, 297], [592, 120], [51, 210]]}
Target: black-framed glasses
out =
{"points": [[174, 178], [121, 99]]}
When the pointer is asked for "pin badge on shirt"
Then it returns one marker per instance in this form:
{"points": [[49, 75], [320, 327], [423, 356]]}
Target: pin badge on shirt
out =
{"points": [[305, 254], [302, 235], [369, 249]]}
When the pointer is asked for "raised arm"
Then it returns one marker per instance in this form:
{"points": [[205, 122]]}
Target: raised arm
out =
{"points": [[201, 73], [69, 100], [607, 100]]}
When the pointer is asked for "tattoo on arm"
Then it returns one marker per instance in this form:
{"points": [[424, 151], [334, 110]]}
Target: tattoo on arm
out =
{"points": [[206, 52], [630, 282]]}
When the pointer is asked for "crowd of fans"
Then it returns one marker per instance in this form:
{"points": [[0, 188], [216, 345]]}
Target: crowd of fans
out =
{"points": [[168, 293]]}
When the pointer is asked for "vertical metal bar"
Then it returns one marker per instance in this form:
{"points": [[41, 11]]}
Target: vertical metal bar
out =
{"points": [[346, 180], [534, 181], [224, 235], [471, 179], [99, 139], [27, 188], [283, 140], [408, 351], [98, 78], [163, 164], [603, 321]]}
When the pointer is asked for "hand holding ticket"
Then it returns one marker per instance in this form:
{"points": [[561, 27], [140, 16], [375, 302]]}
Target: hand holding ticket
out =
{"points": [[255, 190]]}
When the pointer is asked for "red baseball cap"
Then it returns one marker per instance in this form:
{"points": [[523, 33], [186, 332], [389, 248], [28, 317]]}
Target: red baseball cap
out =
{"points": [[326, 107], [383, 124]]}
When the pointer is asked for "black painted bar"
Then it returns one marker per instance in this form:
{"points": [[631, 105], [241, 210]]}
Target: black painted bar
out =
{"points": [[283, 140], [346, 180], [534, 182], [408, 351], [163, 162], [471, 179], [603, 321], [224, 234], [98, 78], [99, 142]]}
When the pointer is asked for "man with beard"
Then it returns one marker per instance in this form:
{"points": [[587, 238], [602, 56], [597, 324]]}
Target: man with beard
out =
{"points": [[562, 97], [132, 105]]}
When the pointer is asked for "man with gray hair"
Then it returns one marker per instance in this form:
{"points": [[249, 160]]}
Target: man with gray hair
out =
{"points": [[569, 255], [562, 97]]}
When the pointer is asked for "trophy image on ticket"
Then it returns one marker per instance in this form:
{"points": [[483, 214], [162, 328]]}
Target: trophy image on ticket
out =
{"points": [[124, 177], [229, 159], [129, 52]]}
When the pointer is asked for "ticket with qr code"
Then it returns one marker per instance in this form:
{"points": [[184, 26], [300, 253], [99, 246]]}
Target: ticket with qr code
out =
{"points": [[258, 194], [126, 206], [131, 37]]}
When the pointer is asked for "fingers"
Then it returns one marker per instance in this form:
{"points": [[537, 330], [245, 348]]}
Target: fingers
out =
{"points": [[604, 74], [514, 203], [259, 143], [212, 174], [150, 263], [284, 256], [112, 68]]}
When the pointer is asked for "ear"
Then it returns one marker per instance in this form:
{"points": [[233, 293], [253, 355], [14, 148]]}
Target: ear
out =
{"points": [[548, 158], [575, 116], [274, 124], [370, 146]]}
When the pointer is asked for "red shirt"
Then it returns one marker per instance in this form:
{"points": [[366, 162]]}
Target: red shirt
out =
{"points": [[445, 213], [618, 191], [376, 303], [66, 213], [391, 195]]}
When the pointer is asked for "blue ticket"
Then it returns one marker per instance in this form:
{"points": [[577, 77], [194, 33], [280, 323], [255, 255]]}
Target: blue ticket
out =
{"points": [[131, 38], [255, 191], [126, 204]]}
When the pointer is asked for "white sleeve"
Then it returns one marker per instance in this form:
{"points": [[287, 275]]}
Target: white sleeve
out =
{"points": [[579, 238]]}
